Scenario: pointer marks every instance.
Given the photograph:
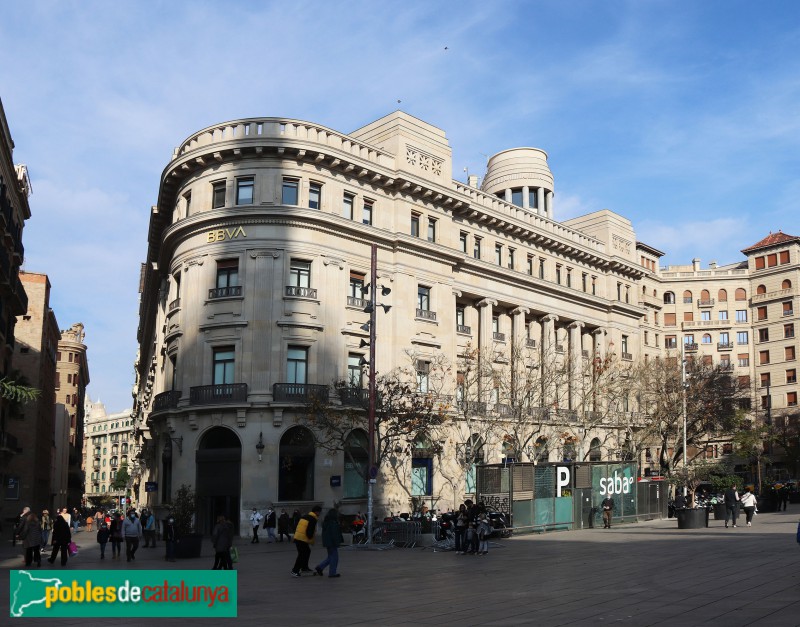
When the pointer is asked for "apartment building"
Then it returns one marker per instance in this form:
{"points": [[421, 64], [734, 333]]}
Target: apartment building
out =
{"points": [[108, 450]]}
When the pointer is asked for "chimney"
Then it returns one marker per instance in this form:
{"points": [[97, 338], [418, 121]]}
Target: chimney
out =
{"points": [[472, 180], [696, 264], [712, 265]]}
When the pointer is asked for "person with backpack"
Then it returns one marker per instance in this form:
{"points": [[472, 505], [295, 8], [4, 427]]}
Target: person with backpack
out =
{"points": [[304, 539]]}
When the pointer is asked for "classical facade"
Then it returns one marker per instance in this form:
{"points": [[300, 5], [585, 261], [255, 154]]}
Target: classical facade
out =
{"points": [[252, 304], [108, 449]]}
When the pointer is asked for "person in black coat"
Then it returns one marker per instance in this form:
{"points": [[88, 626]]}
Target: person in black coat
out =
{"points": [[61, 539], [283, 526], [731, 505]]}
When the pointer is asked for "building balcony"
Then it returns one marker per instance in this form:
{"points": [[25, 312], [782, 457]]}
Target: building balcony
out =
{"points": [[463, 329], [166, 400], [627, 356], [360, 303], [175, 304], [499, 337], [299, 393], [788, 312], [475, 407], [725, 346], [354, 397], [218, 394], [224, 292], [501, 409], [301, 292], [777, 294], [690, 348], [426, 314], [705, 303]]}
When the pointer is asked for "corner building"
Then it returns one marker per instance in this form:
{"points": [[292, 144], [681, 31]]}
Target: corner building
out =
{"points": [[251, 301]]}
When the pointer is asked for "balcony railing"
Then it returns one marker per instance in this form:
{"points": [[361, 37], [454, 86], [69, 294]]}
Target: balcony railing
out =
{"points": [[690, 348], [709, 302], [354, 397], [175, 304], [224, 292], [353, 301], [299, 393], [301, 292], [530, 342], [464, 329], [426, 314], [166, 400], [475, 407], [774, 295], [627, 356], [788, 312], [724, 346], [501, 409], [218, 394], [500, 337]]}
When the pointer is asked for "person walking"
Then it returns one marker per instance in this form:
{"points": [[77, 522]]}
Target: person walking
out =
{"points": [[31, 536], [270, 523], [461, 529], [46, 528], [222, 539], [169, 537], [608, 511], [749, 503], [131, 531], [303, 540], [89, 522], [783, 497], [332, 539], [149, 529], [283, 526], [115, 529], [255, 522], [61, 537], [103, 534], [23, 517], [484, 531], [731, 505], [76, 519]]}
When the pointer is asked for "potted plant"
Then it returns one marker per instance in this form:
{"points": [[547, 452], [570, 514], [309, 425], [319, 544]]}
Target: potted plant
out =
{"points": [[189, 544]]}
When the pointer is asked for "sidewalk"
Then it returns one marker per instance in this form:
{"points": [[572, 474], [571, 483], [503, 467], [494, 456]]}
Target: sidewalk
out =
{"points": [[642, 574]]}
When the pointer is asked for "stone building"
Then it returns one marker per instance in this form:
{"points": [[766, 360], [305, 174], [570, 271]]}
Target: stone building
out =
{"points": [[108, 450], [252, 304]]}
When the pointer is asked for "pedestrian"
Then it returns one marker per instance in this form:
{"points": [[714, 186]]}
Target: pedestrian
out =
{"points": [[731, 505], [472, 526], [295, 520], [783, 497], [76, 519], [222, 539], [149, 529], [255, 522], [131, 531], [23, 517], [270, 523], [47, 527], [61, 537], [31, 536], [484, 531], [115, 528], [283, 526], [303, 539], [169, 538], [332, 539], [89, 522], [103, 534], [608, 511], [749, 504], [461, 529]]}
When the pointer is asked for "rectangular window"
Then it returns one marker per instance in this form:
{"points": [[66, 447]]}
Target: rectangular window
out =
{"points": [[423, 298], [476, 248], [558, 274], [289, 192], [772, 260], [431, 230], [787, 308], [314, 196], [414, 225], [462, 241], [516, 196], [723, 315], [541, 268], [760, 264], [218, 195], [725, 361], [788, 331], [764, 379], [366, 213], [224, 360], [583, 281], [348, 201], [688, 338], [789, 353], [511, 258], [791, 375], [741, 337], [356, 286], [354, 370], [297, 364], [761, 313], [741, 315], [763, 335], [421, 476], [784, 257], [227, 273], [569, 278], [460, 316], [300, 273], [688, 316], [423, 375], [625, 347], [498, 254], [669, 320], [791, 399], [763, 357], [594, 286], [619, 291], [743, 360], [244, 191], [530, 265], [705, 315], [188, 201]]}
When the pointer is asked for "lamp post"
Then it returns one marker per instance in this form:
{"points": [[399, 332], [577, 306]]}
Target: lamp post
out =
{"points": [[683, 409]]}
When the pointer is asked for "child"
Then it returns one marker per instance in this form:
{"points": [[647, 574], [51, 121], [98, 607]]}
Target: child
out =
{"points": [[484, 531], [103, 533]]}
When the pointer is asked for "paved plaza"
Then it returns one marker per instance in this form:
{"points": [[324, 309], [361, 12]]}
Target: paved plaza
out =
{"points": [[639, 574]]}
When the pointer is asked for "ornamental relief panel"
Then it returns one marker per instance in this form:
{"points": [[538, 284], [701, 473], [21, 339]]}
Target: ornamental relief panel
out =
{"points": [[422, 160], [621, 244]]}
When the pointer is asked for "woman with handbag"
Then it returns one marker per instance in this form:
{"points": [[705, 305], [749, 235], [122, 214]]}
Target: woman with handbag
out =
{"points": [[61, 538], [748, 501]]}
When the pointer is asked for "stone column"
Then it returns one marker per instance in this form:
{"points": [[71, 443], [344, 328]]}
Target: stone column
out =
{"points": [[525, 200], [540, 200], [549, 205], [508, 195], [485, 338], [548, 365], [576, 364]]}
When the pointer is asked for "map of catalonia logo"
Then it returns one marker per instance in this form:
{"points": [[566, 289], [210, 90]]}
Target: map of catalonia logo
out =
{"points": [[109, 594]]}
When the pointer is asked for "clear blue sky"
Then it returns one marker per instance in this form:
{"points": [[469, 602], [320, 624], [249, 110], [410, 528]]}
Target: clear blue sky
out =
{"points": [[682, 116]]}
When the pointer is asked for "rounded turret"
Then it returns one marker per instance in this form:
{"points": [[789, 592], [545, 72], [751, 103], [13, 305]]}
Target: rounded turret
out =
{"points": [[522, 177]]}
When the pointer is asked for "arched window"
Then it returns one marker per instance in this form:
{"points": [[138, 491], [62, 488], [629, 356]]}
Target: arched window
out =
{"points": [[706, 338], [722, 296], [761, 289], [705, 295], [473, 455], [687, 296], [104, 476], [568, 450], [542, 452], [594, 450], [422, 467], [741, 294], [786, 285], [356, 460], [296, 465], [669, 298]]}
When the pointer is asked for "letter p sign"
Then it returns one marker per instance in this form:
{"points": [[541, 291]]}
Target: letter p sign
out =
{"points": [[562, 479]]}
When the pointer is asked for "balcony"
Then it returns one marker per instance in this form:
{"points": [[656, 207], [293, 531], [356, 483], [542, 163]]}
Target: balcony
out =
{"points": [[725, 346], [360, 303], [475, 407], [426, 314], [501, 409], [788, 312], [224, 292], [627, 356], [354, 397], [530, 342], [690, 347], [301, 292], [218, 394], [706, 303], [166, 400], [175, 304], [299, 393], [757, 298], [499, 337], [463, 329]]}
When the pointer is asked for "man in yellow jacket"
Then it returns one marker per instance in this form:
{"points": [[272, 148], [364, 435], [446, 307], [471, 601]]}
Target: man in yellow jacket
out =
{"points": [[303, 539]]}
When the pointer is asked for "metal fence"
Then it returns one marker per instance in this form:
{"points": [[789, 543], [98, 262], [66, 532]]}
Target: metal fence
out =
{"points": [[397, 533]]}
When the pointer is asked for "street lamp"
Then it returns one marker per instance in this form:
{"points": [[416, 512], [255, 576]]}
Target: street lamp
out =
{"points": [[684, 386]]}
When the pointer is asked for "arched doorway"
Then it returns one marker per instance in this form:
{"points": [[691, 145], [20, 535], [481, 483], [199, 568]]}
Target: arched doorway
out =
{"points": [[219, 472], [356, 460], [296, 466]]}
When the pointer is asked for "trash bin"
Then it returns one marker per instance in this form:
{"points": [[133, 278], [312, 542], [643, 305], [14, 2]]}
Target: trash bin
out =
{"points": [[696, 518]]}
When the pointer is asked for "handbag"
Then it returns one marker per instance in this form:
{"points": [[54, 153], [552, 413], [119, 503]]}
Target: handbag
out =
{"points": [[234, 554], [73, 549]]}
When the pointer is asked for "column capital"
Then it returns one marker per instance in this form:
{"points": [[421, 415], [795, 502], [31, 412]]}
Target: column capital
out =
{"points": [[549, 318], [520, 310], [486, 302], [576, 325], [457, 293], [599, 332]]}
